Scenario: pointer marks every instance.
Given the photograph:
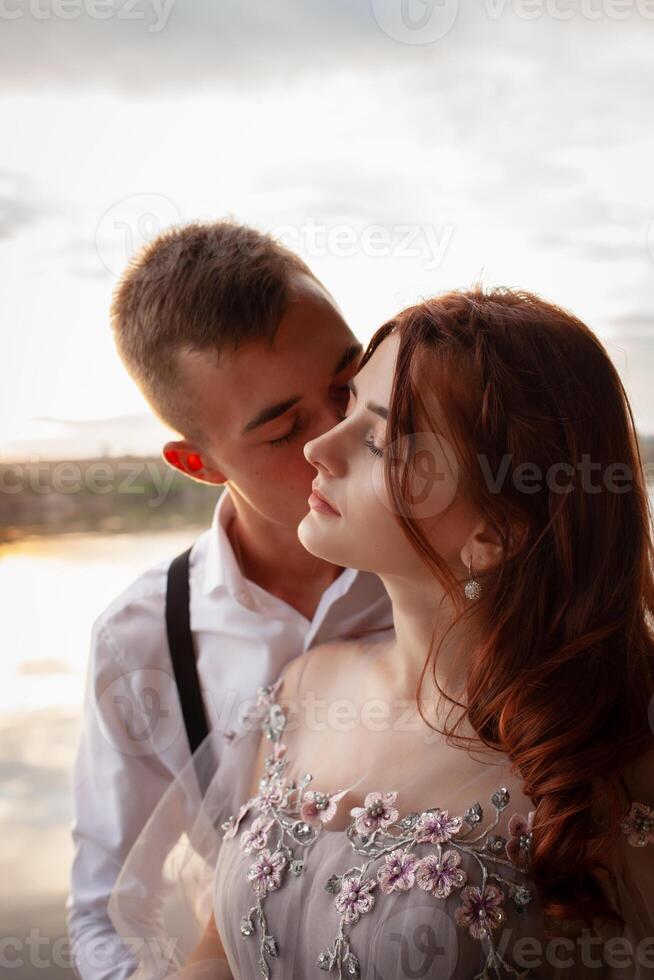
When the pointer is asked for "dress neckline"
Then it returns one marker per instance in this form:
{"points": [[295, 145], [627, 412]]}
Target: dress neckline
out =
{"points": [[272, 726]]}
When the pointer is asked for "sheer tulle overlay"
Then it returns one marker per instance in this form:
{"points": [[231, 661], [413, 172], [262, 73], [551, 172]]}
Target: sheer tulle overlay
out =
{"points": [[340, 836]]}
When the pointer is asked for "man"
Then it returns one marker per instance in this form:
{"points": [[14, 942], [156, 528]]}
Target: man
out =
{"points": [[242, 351]]}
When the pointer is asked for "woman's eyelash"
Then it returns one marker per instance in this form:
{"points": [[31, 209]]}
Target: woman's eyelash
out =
{"points": [[373, 448]]}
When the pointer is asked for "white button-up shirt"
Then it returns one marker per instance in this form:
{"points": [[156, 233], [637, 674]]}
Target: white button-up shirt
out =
{"points": [[133, 740]]}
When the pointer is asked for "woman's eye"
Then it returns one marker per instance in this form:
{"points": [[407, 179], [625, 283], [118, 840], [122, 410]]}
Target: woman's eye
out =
{"points": [[375, 450], [284, 440]]}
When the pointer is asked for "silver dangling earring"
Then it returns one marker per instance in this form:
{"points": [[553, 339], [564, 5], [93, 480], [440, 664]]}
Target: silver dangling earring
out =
{"points": [[472, 587]]}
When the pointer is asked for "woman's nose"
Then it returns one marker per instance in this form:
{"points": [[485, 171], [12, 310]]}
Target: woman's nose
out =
{"points": [[311, 453], [323, 453]]}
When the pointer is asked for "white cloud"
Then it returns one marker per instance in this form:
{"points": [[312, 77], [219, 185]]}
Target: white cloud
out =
{"points": [[519, 146]]}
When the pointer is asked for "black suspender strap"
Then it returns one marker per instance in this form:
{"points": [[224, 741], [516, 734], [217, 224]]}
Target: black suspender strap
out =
{"points": [[182, 651]]}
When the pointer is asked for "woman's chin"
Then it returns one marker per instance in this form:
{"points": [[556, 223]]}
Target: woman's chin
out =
{"points": [[315, 538]]}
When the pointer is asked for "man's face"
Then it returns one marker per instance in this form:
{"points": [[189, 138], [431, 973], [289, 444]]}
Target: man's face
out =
{"points": [[259, 406]]}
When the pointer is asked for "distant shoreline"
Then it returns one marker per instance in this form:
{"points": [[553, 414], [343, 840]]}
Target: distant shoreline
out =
{"points": [[125, 494]]}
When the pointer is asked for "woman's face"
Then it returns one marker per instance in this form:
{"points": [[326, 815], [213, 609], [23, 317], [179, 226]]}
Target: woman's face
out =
{"points": [[364, 533]]}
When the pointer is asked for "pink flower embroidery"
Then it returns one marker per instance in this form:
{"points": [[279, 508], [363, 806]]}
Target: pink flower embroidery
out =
{"points": [[376, 813], [437, 826], [266, 695], [272, 795], [638, 825], [480, 912], [518, 847], [257, 836], [319, 807], [265, 874], [441, 875], [398, 872], [354, 898], [232, 823]]}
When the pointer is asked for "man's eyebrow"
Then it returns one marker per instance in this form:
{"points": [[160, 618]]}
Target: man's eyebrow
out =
{"points": [[270, 413], [274, 411], [378, 409]]}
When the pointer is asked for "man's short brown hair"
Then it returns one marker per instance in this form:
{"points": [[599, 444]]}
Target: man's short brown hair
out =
{"points": [[204, 286]]}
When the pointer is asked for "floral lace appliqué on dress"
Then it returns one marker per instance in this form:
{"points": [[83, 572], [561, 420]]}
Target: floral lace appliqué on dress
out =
{"points": [[289, 820]]}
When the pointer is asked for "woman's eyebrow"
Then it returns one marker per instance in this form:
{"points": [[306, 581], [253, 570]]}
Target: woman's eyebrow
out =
{"points": [[378, 409]]}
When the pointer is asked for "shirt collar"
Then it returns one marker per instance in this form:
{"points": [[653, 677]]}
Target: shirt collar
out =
{"points": [[221, 567]]}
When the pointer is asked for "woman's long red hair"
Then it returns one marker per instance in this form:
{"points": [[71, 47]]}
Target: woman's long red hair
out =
{"points": [[564, 678]]}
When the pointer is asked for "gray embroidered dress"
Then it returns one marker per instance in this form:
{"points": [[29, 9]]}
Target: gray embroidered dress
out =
{"points": [[303, 885]]}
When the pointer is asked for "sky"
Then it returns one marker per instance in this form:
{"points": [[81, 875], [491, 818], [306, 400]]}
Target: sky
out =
{"points": [[403, 147]]}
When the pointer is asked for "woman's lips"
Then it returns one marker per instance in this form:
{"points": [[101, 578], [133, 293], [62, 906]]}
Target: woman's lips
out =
{"points": [[318, 502]]}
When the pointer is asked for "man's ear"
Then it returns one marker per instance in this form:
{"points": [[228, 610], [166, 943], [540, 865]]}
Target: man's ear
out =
{"points": [[190, 461]]}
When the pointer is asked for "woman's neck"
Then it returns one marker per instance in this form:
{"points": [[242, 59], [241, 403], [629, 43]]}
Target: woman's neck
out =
{"points": [[423, 620]]}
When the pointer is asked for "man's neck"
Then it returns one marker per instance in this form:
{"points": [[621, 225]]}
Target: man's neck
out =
{"points": [[273, 557]]}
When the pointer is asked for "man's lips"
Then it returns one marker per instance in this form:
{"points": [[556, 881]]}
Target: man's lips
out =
{"points": [[319, 498]]}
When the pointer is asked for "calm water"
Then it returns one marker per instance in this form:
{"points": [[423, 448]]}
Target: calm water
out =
{"points": [[52, 590]]}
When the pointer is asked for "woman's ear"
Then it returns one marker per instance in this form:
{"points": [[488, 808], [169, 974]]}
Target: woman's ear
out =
{"points": [[191, 461], [484, 548]]}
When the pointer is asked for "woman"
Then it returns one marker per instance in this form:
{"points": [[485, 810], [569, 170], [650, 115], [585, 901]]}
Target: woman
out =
{"points": [[473, 797]]}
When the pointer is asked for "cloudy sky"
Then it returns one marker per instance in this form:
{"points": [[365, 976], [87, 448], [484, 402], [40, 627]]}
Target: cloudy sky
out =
{"points": [[402, 146]]}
